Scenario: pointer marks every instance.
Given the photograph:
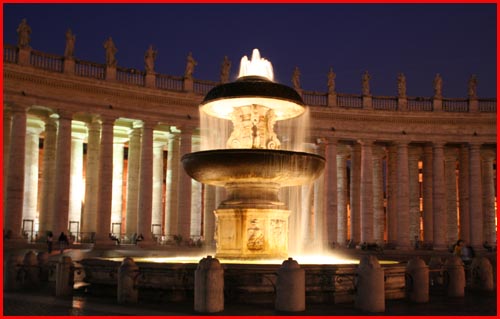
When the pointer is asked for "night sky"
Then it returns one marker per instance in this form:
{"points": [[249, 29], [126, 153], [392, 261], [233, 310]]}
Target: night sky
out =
{"points": [[420, 40]]}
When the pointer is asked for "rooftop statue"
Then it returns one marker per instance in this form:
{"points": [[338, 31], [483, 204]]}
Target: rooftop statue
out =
{"points": [[149, 59], [401, 85], [70, 44], [365, 79], [331, 81], [23, 33], [111, 50], [438, 86], [191, 63], [473, 87], [225, 69], [296, 78]]}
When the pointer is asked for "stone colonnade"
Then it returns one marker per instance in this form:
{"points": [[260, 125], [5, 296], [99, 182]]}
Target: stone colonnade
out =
{"points": [[106, 175]]}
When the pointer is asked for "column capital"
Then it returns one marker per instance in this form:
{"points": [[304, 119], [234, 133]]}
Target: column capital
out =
{"points": [[107, 119], [366, 141], [327, 140], [64, 114], [438, 144], [488, 154], [476, 145], [401, 143], [378, 152], [18, 107], [414, 152]]}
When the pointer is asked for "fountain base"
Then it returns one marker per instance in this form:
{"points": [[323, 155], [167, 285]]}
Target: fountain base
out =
{"points": [[251, 233]]}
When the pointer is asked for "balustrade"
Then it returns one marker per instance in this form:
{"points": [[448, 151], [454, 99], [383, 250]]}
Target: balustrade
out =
{"points": [[168, 82], [46, 61], [90, 69], [315, 98], [350, 101], [385, 103], [455, 105], [487, 105], [417, 104], [202, 86], [10, 54], [130, 76]]}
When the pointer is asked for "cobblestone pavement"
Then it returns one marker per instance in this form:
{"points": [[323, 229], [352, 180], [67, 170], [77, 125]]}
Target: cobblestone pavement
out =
{"points": [[31, 304]]}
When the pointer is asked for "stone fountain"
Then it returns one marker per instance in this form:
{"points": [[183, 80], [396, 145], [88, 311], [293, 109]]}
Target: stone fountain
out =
{"points": [[252, 222]]}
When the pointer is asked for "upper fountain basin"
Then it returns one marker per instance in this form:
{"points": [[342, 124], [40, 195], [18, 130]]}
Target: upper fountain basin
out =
{"points": [[222, 99], [226, 166]]}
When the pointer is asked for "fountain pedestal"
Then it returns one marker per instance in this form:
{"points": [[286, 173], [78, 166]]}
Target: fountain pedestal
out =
{"points": [[250, 233]]}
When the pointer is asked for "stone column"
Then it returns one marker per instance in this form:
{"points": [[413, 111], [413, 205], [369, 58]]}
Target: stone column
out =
{"points": [[172, 187], [184, 211], [79, 131], [438, 196], [105, 191], [366, 192], [120, 137], [160, 140], [392, 186], [427, 195], [378, 196], [355, 229], [196, 200], [89, 218], [7, 125], [46, 216], [463, 189], [476, 196], [146, 184], [450, 165], [30, 199], [133, 170], [63, 174], [403, 196], [341, 196], [13, 213], [489, 196], [208, 215], [329, 197], [413, 172]]}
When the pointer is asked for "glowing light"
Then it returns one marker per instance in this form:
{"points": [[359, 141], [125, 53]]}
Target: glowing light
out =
{"points": [[256, 66]]}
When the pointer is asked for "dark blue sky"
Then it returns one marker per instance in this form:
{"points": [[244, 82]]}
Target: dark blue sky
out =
{"points": [[420, 40]]}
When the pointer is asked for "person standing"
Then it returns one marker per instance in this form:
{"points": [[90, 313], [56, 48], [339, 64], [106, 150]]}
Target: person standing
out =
{"points": [[50, 238], [63, 242]]}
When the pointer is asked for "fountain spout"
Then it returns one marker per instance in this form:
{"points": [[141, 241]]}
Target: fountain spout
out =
{"points": [[257, 66]]}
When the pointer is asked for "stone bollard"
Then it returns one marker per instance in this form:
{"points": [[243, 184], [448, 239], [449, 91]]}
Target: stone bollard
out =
{"points": [[455, 277], [417, 284], [290, 287], [370, 286], [31, 271], [11, 272], [482, 274], [128, 273], [209, 286], [43, 264], [64, 277]]}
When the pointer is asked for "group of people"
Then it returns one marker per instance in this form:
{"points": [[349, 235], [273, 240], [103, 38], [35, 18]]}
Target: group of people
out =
{"points": [[465, 252], [62, 241]]}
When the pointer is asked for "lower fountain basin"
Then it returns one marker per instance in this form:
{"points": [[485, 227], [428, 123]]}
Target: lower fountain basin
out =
{"points": [[228, 166]]}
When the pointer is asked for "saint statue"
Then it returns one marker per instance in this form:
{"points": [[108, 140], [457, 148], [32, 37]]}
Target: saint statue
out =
{"points": [[401, 85], [296, 78], [224, 70], [110, 52], [331, 81], [70, 44], [23, 34], [438, 86], [473, 87], [149, 59], [191, 63], [365, 79]]}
